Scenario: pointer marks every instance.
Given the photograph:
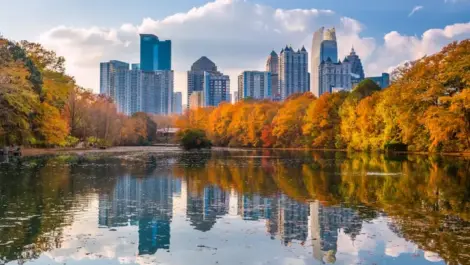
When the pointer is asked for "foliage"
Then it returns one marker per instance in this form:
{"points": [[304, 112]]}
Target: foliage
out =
{"points": [[427, 108], [193, 139]]}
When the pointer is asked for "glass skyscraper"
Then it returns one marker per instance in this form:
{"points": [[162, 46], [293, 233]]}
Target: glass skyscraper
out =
{"points": [[154, 54], [324, 46]]}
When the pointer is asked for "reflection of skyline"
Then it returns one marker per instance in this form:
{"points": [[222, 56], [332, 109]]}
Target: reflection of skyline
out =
{"points": [[326, 222], [148, 204], [204, 208]]}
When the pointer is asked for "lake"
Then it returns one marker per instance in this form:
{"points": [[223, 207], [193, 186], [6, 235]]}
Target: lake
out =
{"points": [[227, 206]]}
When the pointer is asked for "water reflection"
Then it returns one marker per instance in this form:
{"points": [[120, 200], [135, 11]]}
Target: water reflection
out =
{"points": [[276, 207]]}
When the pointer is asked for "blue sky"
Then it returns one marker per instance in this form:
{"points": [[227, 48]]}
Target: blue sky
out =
{"points": [[385, 32]]}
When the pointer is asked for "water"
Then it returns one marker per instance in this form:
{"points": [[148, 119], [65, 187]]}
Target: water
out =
{"points": [[235, 207]]}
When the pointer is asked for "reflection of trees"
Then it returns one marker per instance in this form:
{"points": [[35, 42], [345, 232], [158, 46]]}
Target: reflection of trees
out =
{"points": [[35, 198], [428, 198]]}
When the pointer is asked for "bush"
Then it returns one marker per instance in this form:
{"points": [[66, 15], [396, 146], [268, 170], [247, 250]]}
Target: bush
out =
{"points": [[70, 141], [193, 139]]}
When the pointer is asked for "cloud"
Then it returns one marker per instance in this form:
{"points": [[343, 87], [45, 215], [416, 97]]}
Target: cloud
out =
{"points": [[236, 34], [415, 9]]}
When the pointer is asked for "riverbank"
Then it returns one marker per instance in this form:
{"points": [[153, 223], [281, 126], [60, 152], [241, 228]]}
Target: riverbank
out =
{"points": [[166, 148], [79, 151]]}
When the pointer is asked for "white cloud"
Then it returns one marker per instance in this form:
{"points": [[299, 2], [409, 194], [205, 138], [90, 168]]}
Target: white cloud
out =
{"points": [[415, 9], [236, 34]]}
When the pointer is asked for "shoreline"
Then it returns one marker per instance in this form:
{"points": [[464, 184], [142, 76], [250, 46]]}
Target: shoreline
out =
{"points": [[123, 149]]}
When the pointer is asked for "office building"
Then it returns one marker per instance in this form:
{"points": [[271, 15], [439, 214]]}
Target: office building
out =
{"points": [[324, 46], [157, 92], [154, 54], [135, 66], [383, 81], [334, 76], [196, 74], [293, 71], [196, 100], [272, 66], [254, 84], [107, 76], [177, 103], [357, 71], [329, 46], [216, 89]]}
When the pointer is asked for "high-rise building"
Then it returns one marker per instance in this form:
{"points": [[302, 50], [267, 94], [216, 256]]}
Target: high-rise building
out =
{"points": [[324, 46], [157, 92], [177, 103], [154, 54], [293, 71], [357, 71], [107, 76], [383, 81], [329, 46], [135, 66], [196, 74], [254, 84], [196, 100], [272, 66], [216, 89], [334, 76]]}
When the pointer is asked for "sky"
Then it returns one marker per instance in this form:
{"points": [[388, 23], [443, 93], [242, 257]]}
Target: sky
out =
{"points": [[236, 34]]}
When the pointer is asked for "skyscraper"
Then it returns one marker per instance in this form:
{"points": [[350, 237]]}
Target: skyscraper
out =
{"points": [[334, 76], [324, 45], [272, 66], [177, 103], [157, 92], [254, 84], [357, 71], [154, 54], [293, 71], [216, 89], [196, 74], [329, 47], [107, 76]]}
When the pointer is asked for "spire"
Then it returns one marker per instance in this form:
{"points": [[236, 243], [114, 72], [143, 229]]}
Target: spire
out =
{"points": [[303, 49], [353, 52]]}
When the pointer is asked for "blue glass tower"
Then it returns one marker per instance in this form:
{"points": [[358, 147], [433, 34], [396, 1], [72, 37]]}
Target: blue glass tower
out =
{"points": [[154, 54], [329, 49]]}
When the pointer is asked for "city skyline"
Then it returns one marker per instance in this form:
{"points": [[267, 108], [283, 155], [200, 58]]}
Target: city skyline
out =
{"points": [[85, 43]]}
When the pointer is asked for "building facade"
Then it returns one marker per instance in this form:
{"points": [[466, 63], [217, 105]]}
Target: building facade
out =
{"points": [[196, 100], [334, 76], [177, 103], [195, 76], [216, 89], [293, 71], [254, 84], [357, 71], [154, 54], [157, 92], [272, 66], [383, 81], [108, 71], [324, 46]]}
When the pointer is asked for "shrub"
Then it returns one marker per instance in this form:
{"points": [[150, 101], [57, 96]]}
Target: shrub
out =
{"points": [[193, 139]]}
